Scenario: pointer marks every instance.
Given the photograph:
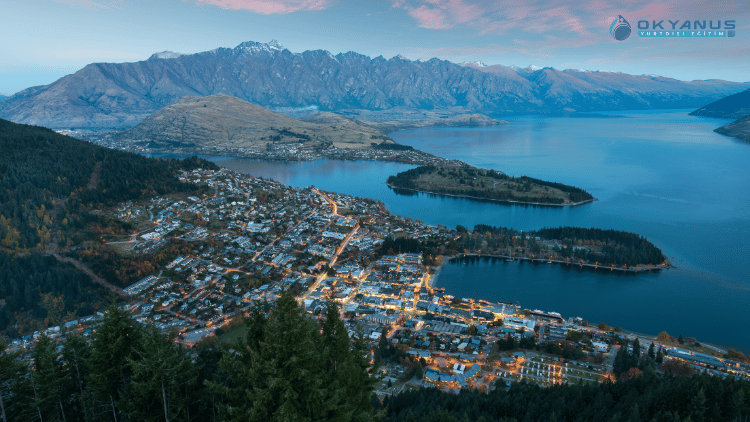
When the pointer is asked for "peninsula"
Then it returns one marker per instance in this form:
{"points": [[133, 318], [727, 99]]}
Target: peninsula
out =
{"points": [[466, 181]]}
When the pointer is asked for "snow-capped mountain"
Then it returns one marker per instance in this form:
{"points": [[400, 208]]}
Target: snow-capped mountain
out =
{"points": [[123, 94]]}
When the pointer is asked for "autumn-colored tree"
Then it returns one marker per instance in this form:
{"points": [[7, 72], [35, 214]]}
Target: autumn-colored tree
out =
{"points": [[663, 337]]}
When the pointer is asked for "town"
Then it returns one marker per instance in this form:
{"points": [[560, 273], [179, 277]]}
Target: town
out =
{"points": [[287, 151], [249, 239]]}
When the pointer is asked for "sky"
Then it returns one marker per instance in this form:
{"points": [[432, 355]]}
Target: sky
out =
{"points": [[44, 40]]}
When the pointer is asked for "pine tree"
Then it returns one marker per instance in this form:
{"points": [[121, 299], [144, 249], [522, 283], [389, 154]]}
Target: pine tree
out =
{"points": [[206, 399], [622, 359], [659, 356], [697, 407], [162, 375], [287, 370], [48, 381], [292, 352], [12, 371], [346, 368], [75, 355], [114, 342], [281, 379]]}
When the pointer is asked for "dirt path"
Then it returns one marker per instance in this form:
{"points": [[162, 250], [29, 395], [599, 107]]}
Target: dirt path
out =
{"points": [[95, 278], [54, 212], [95, 176]]}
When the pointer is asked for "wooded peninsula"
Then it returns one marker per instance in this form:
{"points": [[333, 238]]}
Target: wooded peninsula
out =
{"points": [[466, 181]]}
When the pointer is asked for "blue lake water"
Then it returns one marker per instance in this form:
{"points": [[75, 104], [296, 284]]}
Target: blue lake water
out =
{"points": [[663, 174]]}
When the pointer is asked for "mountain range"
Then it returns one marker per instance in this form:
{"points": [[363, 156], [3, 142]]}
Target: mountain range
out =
{"points": [[123, 94]]}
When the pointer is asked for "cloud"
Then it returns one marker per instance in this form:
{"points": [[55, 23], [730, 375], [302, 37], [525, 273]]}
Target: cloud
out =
{"points": [[269, 7], [558, 17], [430, 17]]}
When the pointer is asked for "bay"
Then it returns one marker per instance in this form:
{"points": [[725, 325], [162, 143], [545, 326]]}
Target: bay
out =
{"points": [[662, 174]]}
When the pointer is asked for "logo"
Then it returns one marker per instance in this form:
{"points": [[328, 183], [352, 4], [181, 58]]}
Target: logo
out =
{"points": [[686, 29], [620, 29]]}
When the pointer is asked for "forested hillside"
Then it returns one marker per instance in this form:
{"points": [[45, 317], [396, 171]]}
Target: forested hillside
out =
{"points": [[49, 184], [39, 166], [38, 290]]}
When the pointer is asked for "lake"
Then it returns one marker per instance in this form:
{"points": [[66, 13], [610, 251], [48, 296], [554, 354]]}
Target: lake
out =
{"points": [[662, 174]]}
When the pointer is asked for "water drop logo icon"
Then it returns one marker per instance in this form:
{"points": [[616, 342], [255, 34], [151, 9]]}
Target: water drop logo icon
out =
{"points": [[620, 29]]}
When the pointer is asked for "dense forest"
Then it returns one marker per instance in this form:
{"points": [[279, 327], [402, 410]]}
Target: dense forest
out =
{"points": [[643, 398], [287, 368], [465, 176], [39, 166], [615, 246], [38, 290], [607, 247], [393, 147], [49, 184]]}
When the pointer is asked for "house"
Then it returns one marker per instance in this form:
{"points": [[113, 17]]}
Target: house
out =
{"points": [[600, 346]]}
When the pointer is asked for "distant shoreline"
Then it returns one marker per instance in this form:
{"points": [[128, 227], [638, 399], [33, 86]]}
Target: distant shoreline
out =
{"points": [[509, 201]]}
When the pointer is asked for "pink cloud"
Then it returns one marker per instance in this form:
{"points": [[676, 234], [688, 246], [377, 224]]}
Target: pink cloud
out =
{"points": [[584, 18], [440, 14], [268, 7], [429, 18]]}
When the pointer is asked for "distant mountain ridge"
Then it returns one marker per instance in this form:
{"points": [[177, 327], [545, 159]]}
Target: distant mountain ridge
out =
{"points": [[224, 121], [123, 94], [735, 106]]}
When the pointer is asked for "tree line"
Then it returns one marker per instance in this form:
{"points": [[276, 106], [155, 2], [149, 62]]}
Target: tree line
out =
{"points": [[288, 367], [607, 247], [644, 398]]}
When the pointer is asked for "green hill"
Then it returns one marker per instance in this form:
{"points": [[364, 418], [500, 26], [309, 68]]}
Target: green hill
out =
{"points": [[49, 186], [39, 168]]}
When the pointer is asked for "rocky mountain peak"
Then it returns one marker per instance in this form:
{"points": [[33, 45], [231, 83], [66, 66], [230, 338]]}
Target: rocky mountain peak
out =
{"points": [[254, 46], [165, 55]]}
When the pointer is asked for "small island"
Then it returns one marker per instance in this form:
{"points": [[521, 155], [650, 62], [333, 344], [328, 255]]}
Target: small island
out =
{"points": [[466, 181]]}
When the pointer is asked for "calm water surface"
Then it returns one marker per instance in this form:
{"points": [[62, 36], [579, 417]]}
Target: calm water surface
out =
{"points": [[664, 175]]}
